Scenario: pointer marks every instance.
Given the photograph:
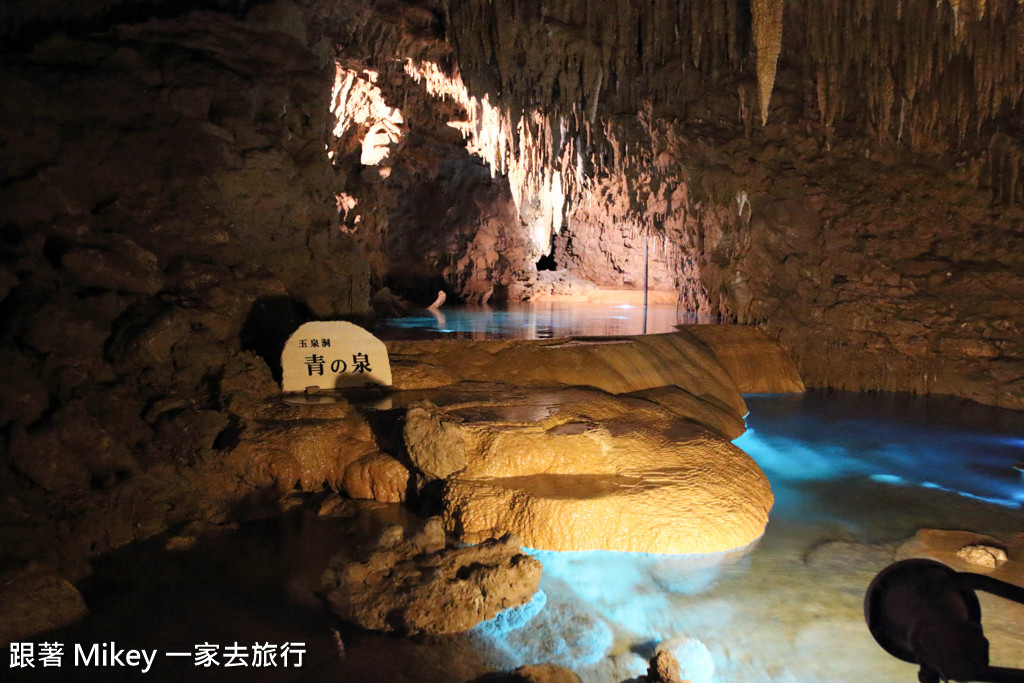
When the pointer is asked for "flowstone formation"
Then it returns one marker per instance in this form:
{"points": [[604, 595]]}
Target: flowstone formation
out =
{"points": [[593, 444], [418, 585], [579, 469]]}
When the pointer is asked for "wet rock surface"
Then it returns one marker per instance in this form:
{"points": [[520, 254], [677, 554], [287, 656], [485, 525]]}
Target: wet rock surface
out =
{"points": [[617, 365], [579, 469], [532, 673], [419, 585], [664, 669]]}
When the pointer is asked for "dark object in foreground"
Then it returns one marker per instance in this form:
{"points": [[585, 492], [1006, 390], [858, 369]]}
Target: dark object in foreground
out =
{"points": [[925, 613]]}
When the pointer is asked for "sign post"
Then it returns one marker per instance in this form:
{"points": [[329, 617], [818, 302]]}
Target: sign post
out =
{"points": [[332, 354]]}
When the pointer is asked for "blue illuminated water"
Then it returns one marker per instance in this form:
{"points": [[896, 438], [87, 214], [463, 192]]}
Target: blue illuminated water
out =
{"points": [[854, 476], [802, 441], [538, 320]]}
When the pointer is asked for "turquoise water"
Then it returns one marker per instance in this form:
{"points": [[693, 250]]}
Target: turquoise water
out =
{"points": [[804, 441], [539, 320]]}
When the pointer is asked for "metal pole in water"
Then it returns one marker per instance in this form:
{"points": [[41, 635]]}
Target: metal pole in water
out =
{"points": [[645, 282]]}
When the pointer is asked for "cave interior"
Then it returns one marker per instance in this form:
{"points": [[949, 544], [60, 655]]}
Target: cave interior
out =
{"points": [[182, 184]]}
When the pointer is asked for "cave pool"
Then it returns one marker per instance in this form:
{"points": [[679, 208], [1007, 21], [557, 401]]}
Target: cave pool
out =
{"points": [[538, 320], [854, 476]]}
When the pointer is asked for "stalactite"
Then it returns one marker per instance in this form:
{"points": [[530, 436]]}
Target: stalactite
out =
{"points": [[556, 75]]}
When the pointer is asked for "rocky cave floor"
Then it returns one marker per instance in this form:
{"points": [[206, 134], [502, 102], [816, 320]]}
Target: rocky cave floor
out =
{"points": [[777, 614], [787, 609]]}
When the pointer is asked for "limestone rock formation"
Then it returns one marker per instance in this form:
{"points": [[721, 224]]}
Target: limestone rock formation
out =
{"points": [[714, 363], [579, 469], [376, 476], [966, 551], [312, 444], [664, 669], [618, 365], [34, 600], [706, 411], [417, 585], [198, 186], [985, 556], [756, 363], [691, 657]]}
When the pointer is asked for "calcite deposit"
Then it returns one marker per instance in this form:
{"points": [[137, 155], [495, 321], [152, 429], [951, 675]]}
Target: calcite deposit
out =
{"points": [[312, 444], [618, 365], [418, 585], [580, 469]]}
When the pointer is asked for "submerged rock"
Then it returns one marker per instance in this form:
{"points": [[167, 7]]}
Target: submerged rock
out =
{"points": [[579, 469], [532, 673], [664, 668], [417, 585], [692, 660], [983, 555], [562, 633]]}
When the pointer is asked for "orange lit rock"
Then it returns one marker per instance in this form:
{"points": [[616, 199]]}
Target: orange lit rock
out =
{"points": [[618, 365], [34, 600], [579, 469], [304, 444], [755, 362], [376, 476], [664, 668]]}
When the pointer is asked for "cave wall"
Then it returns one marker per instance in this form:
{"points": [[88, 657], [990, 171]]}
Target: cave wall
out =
{"points": [[846, 176], [182, 182], [169, 214]]}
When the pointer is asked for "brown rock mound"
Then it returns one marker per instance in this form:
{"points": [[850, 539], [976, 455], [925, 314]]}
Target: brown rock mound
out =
{"points": [[417, 585]]}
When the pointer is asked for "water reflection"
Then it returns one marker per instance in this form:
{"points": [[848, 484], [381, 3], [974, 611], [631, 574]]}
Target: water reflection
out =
{"points": [[854, 475], [540, 320]]}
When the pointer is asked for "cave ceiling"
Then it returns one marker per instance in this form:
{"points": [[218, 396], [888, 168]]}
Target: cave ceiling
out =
{"points": [[845, 174]]}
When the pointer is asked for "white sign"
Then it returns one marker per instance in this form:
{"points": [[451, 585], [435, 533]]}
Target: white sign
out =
{"points": [[333, 354]]}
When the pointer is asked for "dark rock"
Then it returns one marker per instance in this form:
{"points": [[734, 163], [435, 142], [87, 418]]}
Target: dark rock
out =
{"points": [[412, 586], [23, 397], [34, 600], [120, 266], [389, 305], [70, 451], [532, 673]]}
